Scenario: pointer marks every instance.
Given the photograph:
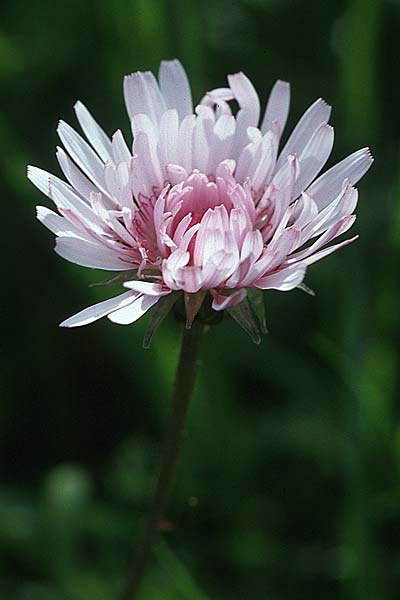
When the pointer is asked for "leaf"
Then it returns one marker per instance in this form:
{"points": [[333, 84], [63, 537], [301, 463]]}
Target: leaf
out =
{"points": [[244, 317], [157, 315], [256, 300]]}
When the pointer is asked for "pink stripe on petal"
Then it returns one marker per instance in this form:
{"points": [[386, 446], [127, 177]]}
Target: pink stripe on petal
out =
{"points": [[338, 229], [326, 251], [86, 254], [57, 224]]}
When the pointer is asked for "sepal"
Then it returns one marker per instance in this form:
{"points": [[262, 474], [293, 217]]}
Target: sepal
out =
{"points": [[304, 288], [256, 301], [193, 303], [121, 277], [157, 315], [244, 317]]}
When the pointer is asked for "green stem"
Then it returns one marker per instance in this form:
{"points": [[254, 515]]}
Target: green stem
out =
{"points": [[184, 382]]}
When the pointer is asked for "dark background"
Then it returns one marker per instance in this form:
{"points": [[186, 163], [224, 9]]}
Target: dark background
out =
{"points": [[288, 486]]}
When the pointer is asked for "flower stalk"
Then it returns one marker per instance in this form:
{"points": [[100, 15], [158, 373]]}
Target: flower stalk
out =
{"points": [[182, 392]]}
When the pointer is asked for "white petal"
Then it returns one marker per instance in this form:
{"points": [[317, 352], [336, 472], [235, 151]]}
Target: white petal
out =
{"points": [[87, 254], [147, 165], [327, 187], [133, 312], [277, 107], [57, 224], [327, 251], [83, 155], [94, 133], [316, 114], [202, 135], [169, 127], [147, 288], [314, 157], [284, 280], [249, 112], [337, 229], [97, 311], [221, 142], [76, 178], [246, 96], [142, 95], [221, 302], [185, 143], [120, 150], [64, 196], [175, 87]]}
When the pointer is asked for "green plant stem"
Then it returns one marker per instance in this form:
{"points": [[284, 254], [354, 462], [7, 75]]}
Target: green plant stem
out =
{"points": [[183, 388]]}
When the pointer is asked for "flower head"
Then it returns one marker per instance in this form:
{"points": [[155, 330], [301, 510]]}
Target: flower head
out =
{"points": [[204, 202]]}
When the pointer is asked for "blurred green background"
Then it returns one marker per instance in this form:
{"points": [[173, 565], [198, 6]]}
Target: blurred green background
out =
{"points": [[288, 486]]}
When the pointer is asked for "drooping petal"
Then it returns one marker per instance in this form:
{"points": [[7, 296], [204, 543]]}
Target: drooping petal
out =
{"points": [[97, 311], [249, 112], [131, 313], [246, 96], [221, 302]]}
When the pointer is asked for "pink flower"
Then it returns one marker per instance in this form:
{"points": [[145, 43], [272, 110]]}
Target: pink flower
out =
{"points": [[205, 201]]}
